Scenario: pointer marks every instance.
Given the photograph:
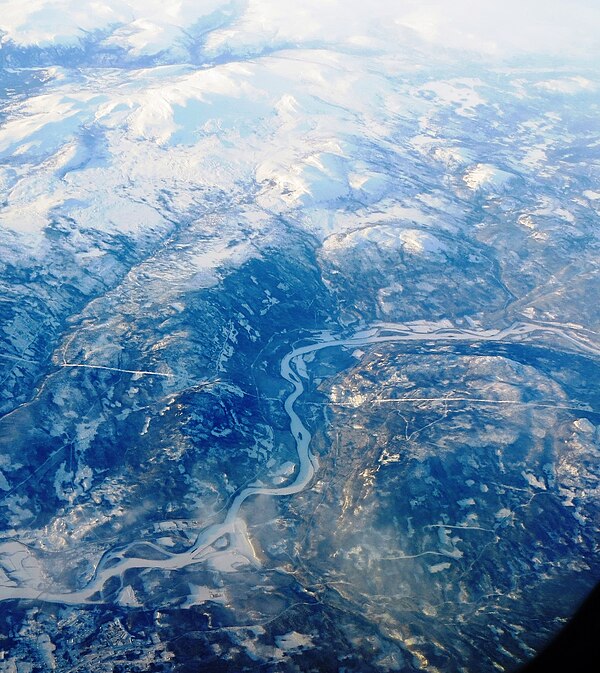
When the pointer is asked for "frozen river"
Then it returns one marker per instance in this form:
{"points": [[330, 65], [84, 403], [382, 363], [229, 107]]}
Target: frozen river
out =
{"points": [[226, 544]]}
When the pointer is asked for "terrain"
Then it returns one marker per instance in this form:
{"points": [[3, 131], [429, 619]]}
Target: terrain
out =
{"points": [[299, 339]]}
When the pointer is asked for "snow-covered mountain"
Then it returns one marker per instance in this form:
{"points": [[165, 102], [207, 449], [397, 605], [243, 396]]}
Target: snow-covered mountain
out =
{"points": [[401, 199]]}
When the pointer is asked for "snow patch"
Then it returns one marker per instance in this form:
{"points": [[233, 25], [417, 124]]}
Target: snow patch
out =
{"points": [[438, 567], [486, 177], [566, 85], [458, 93], [293, 641]]}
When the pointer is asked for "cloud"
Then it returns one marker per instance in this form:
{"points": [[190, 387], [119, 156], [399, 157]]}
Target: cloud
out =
{"points": [[508, 27], [500, 28]]}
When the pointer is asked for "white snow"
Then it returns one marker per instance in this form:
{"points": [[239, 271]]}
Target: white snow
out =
{"points": [[461, 94], [293, 641], [532, 480], [566, 85], [285, 469], [201, 594], [19, 563], [128, 598], [486, 177], [46, 649], [144, 26], [390, 237], [420, 242], [585, 426], [256, 118], [438, 567], [535, 157], [148, 27], [590, 194], [186, 131]]}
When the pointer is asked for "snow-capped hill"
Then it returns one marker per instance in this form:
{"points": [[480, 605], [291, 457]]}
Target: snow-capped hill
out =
{"points": [[154, 31], [487, 177], [137, 27]]}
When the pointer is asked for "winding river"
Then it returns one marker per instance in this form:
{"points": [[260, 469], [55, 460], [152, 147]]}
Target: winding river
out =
{"points": [[229, 537]]}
